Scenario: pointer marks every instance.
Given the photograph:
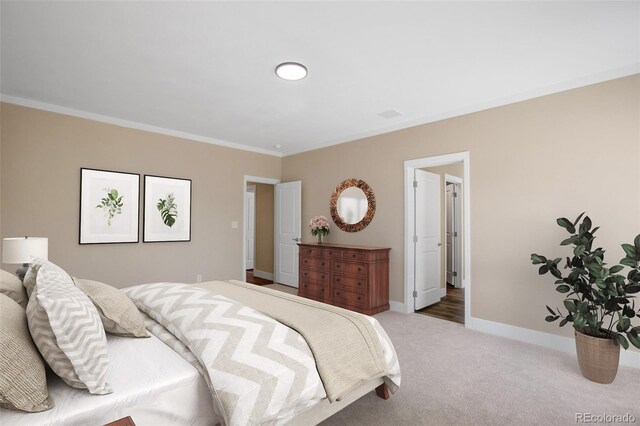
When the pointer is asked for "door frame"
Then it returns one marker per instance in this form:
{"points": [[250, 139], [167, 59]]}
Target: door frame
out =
{"points": [[251, 189], [252, 179], [457, 224], [409, 224]]}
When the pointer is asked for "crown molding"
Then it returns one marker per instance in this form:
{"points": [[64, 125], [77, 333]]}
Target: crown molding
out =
{"points": [[30, 103]]}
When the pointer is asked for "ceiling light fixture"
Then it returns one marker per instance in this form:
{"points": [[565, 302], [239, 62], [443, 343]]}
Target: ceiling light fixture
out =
{"points": [[291, 71]]}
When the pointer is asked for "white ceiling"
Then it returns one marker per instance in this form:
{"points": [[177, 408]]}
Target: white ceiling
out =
{"points": [[206, 70]]}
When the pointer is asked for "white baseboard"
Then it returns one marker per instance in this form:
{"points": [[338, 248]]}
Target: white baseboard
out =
{"points": [[264, 275], [397, 306], [628, 358]]}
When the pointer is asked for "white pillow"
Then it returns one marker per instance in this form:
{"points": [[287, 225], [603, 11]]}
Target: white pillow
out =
{"points": [[11, 286], [67, 330]]}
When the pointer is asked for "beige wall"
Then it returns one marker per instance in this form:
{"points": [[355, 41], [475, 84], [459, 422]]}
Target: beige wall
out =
{"points": [[457, 170], [264, 227], [530, 162], [42, 154]]}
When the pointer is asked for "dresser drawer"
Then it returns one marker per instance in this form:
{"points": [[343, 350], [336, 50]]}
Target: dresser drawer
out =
{"points": [[354, 256], [350, 283], [311, 251], [313, 291], [333, 253], [350, 268], [350, 298], [315, 262], [313, 276]]}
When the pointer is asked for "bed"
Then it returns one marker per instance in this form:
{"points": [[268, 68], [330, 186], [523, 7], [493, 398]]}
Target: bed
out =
{"points": [[185, 374]]}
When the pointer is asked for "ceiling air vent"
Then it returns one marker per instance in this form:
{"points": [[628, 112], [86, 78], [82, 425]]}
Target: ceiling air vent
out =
{"points": [[392, 113]]}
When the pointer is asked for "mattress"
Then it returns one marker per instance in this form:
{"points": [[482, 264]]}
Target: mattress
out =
{"points": [[151, 383]]}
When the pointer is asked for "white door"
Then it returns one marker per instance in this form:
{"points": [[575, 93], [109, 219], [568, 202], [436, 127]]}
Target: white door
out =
{"points": [[451, 233], [288, 231], [428, 244], [250, 223]]}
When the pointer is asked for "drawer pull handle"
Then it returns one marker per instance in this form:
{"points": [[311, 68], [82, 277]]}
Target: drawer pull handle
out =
{"points": [[322, 290], [322, 277], [359, 283], [338, 293], [338, 279], [353, 255], [338, 265], [359, 269], [358, 297], [322, 264]]}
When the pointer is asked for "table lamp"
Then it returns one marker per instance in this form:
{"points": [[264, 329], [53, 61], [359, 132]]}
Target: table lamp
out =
{"points": [[23, 250]]}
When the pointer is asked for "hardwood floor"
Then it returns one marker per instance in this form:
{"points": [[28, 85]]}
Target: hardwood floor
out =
{"points": [[450, 308], [255, 280]]}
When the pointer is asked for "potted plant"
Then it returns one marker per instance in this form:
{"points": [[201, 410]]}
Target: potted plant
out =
{"points": [[319, 226], [598, 300]]}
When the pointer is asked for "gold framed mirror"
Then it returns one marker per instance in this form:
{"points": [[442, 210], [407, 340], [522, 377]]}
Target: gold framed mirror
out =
{"points": [[352, 205]]}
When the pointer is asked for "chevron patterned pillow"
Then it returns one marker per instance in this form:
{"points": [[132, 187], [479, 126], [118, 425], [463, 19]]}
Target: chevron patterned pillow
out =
{"points": [[67, 330], [29, 280]]}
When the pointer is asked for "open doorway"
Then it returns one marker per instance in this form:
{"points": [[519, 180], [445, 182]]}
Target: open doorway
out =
{"points": [[259, 233], [437, 261], [271, 228]]}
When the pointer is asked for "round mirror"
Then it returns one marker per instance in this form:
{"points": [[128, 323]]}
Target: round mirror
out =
{"points": [[352, 205]]}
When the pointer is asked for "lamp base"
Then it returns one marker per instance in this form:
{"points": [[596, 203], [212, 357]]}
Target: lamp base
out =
{"points": [[21, 271]]}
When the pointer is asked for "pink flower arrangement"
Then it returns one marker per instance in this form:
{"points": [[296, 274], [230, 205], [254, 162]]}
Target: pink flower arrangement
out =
{"points": [[319, 225]]}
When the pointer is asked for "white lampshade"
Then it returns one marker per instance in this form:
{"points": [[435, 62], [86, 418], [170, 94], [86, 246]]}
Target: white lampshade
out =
{"points": [[24, 249]]}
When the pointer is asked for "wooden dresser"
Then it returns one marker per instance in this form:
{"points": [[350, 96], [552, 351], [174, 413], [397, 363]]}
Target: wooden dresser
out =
{"points": [[352, 277]]}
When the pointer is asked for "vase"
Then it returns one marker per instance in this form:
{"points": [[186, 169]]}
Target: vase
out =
{"points": [[598, 357], [320, 238]]}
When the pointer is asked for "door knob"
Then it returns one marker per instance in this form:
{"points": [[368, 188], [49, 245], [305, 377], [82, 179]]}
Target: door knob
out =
{"points": [[439, 244], [297, 239]]}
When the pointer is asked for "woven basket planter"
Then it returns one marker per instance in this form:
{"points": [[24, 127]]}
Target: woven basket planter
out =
{"points": [[598, 358]]}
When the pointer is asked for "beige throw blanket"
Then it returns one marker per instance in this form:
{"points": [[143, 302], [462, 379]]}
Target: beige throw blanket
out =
{"points": [[345, 344]]}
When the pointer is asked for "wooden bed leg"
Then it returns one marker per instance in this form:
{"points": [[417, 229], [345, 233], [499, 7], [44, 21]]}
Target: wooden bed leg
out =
{"points": [[383, 391]]}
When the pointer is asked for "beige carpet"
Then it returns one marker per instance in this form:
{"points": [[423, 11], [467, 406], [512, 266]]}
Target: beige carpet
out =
{"points": [[451, 375]]}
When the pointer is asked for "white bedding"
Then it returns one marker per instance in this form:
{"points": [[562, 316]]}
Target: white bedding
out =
{"points": [[151, 383]]}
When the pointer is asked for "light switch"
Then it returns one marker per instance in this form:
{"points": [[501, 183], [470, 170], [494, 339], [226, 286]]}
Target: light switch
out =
{"points": [[234, 225]]}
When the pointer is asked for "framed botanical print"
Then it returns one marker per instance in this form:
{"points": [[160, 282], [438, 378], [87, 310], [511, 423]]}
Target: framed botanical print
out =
{"points": [[167, 209], [109, 207]]}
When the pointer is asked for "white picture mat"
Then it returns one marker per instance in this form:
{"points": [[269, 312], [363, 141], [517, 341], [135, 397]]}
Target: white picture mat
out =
{"points": [[156, 188], [94, 228]]}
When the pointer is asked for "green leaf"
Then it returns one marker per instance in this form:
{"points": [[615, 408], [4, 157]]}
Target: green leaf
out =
{"points": [[570, 305], [551, 318], [579, 250], [623, 324], [622, 340], [629, 262], [537, 259], [636, 242], [633, 288], [616, 268], [550, 310], [568, 241], [563, 288], [564, 222], [586, 223], [630, 250], [543, 269], [578, 219], [635, 341], [563, 322]]}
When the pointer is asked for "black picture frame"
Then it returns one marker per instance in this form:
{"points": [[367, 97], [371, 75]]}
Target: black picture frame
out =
{"points": [[93, 189], [155, 227]]}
